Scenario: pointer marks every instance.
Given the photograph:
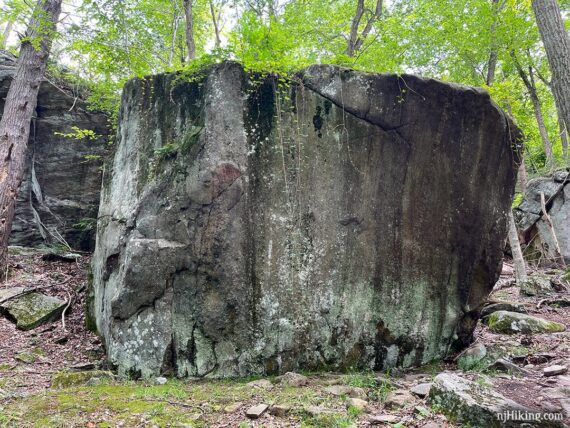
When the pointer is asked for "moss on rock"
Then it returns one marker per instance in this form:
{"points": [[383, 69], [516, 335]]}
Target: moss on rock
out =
{"points": [[66, 379], [515, 323], [33, 309]]}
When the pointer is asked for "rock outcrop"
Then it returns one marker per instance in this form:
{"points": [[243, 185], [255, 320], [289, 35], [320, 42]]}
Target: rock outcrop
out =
{"points": [[59, 196], [345, 220], [535, 231]]}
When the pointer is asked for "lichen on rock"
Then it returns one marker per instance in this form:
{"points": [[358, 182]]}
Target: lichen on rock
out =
{"points": [[300, 228]]}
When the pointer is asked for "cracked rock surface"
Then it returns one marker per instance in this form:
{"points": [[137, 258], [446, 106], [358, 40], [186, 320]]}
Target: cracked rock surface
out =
{"points": [[343, 220], [59, 194]]}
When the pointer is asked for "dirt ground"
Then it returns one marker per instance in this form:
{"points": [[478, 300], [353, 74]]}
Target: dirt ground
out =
{"points": [[28, 398]]}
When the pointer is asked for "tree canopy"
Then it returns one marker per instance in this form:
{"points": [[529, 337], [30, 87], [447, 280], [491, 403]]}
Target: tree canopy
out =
{"points": [[490, 43]]}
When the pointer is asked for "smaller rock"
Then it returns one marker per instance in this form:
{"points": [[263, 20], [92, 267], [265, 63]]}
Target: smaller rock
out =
{"points": [[94, 381], [351, 391], [537, 284], [560, 176], [315, 410], [502, 306], [514, 323], [358, 403], [279, 410], [421, 390], [61, 340], [414, 377], [26, 357], [67, 379], [293, 379], [232, 408], [558, 303], [334, 380], [261, 384], [554, 370], [398, 399], [505, 366], [469, 358], [256, 411], [33, 309], [160, 380], [383, 419], [469, 402], [82, 367], [56, 257]]}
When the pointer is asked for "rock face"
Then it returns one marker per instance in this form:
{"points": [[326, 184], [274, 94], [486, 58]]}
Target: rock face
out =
{"points": [[533, 227], [347, 220], [59, 195]]}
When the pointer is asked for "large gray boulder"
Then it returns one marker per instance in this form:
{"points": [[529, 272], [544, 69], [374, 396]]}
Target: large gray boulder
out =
{"points": [[344, 220], [59, 196], [535, 231]]}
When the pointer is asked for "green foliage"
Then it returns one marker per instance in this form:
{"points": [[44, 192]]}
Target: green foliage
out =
{"points": [[472, 364], [91, 158], [86, 224], [79, 134], [517, 200], [108, 42], [378, 386], [329, 420], [167, 151]]}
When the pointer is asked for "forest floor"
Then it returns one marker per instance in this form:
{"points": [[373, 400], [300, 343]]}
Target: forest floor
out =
{"points": [[43, 381]]}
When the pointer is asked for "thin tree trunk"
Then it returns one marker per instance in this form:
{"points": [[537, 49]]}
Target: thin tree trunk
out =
{"points": [[354, 28], [18, 110], [557, 46], [518, 259], [355, 41], [542, 130], [563, 138], [523, 178], [216, 25], [175, 23], [369, 24], [492, 63], [7, 31], [530, 85], [190, 43]]}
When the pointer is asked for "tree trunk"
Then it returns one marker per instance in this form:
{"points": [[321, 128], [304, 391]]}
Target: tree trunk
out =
{"points": [[563, 138], [492, 63], [530, 85], [557, 46], [542, 130], [356, 41], [175, 22], [523, 178], [7, 31], [18, 110], [190, 43], [216, 25], [518, 259], [353, 37]]}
